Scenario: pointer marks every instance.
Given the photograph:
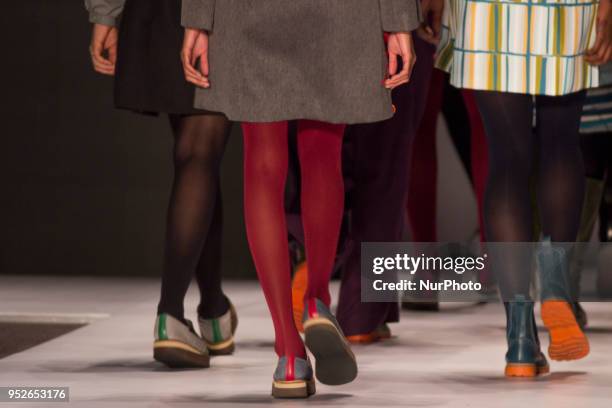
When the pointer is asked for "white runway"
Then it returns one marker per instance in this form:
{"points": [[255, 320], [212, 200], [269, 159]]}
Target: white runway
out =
{"points": [[454, 358]]}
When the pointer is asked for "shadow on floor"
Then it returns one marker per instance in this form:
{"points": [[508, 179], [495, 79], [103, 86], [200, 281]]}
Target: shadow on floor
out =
{"points": [[17, 337], [479, 380]]}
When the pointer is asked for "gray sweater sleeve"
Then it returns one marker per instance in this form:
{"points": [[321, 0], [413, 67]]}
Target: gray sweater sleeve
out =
{"points": [[400, 15], [198, 14], [104, 12]]}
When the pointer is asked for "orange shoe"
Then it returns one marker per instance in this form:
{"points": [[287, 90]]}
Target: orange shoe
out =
{"points": [[298, 290], [365, 339], [381, 333], [567, 340]]}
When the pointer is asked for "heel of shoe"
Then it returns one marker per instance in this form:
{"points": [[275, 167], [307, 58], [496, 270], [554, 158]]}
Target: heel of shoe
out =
{"points": [[293, 389], [225, 348], [567, 340], [175, 354], [521, 370]]}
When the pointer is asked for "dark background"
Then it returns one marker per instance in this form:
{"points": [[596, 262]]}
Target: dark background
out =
{"points": [[84, 186]]}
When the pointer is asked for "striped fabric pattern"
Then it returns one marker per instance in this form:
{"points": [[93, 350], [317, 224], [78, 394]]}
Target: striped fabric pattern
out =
{"points": [[597, 114], [525, 46]]}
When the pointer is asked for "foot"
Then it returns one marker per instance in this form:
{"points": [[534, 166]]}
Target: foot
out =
{"points": [[219, 333], [335, 361], [524, 357], [293, 378], [177, 345], [567, 340], [538, 367]]}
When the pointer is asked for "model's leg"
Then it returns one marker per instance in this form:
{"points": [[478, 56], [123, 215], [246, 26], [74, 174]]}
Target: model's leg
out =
{"points": [[322, 197], [560, 192], [199, 146], [507, 202], [422, 193], [561, 167], [265, 171], [213, 302], [320, 152], [479, 155], [594, 154], [459, 125], [508, 218], [217, 317]]}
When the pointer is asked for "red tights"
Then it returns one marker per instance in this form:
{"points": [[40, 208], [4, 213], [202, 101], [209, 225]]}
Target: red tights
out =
{"points": [[265, 171]]}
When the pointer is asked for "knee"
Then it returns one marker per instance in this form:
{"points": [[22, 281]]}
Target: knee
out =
{"points": [[200, 151], [265, 166], [511, 159]]}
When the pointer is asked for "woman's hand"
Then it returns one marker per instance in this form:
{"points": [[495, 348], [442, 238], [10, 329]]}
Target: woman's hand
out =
{"points": [[601, 52], [400, 45], [195, 45], [103, 48]]}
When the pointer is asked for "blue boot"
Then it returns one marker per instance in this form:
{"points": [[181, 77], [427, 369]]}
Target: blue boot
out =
{"points": [[524, 357], [567, 340]]}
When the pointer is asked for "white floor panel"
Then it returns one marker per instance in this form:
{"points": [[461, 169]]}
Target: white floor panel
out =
{"points": [[454, 358]]}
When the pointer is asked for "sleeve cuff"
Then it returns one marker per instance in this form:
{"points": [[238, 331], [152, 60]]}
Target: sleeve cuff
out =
{"points": [[102, 19], [198, 14], [400, 15]]}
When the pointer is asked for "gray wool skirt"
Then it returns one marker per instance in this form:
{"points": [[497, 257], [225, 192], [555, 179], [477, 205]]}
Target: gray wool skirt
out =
{"points": [[274, 60]]}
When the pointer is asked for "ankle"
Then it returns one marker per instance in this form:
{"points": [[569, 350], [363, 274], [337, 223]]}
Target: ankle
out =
{"points": [[212, 307], [177, 314], [323, 297]]}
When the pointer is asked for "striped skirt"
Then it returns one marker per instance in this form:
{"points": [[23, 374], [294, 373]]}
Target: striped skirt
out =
{"points": [[524, 46]]}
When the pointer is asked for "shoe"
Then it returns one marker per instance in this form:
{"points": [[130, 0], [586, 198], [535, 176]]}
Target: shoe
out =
{"points": [[383, 332], [177, 345], [293, 378], [524, 357], [219, 333], [567, 340], [299, 285], [335, 361]]}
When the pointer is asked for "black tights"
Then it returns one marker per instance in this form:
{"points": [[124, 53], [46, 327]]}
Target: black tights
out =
{"points": [[596, 150], [195, 216], [548, 155]]}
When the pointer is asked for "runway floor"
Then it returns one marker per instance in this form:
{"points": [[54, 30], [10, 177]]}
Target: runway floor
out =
{"points": [[454, 358]]}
